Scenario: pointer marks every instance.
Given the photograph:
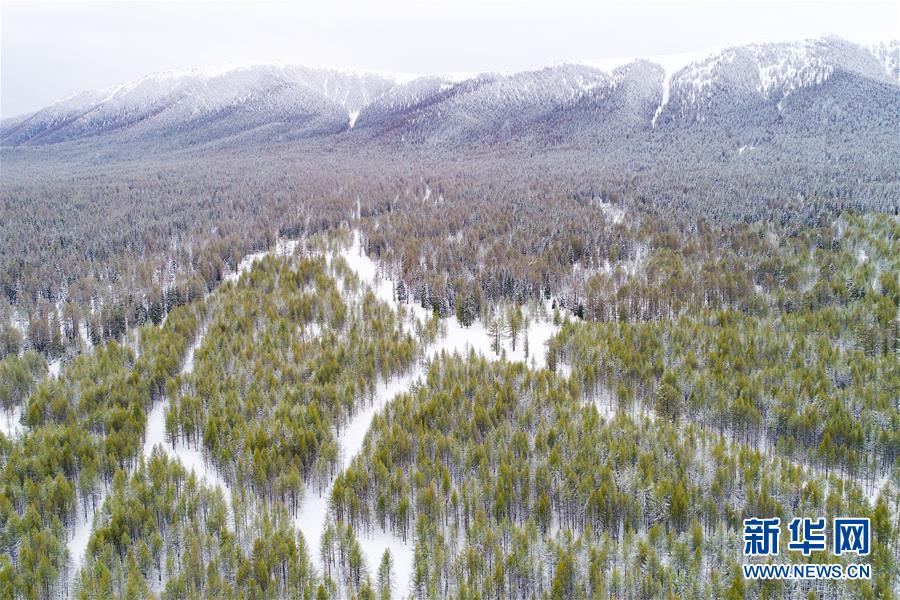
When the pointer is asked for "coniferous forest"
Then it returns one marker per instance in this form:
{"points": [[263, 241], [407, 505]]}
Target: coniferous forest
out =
{"points": [[546, 335], [327, 424]]}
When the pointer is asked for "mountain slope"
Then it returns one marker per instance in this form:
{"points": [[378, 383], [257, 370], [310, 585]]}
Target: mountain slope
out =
{"points": [[741, 90], [204, 105]]}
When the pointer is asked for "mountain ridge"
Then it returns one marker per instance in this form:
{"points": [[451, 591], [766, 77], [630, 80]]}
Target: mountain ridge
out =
{"points": [[280, 102]]}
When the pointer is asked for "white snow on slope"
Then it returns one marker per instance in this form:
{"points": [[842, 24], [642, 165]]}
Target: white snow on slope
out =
{"points": [[10, 423], [790, 66], [163, 101], [313, 515], [878, 487], [888, 53], [671, 64], [81, 532], [777, 69], [53, 367], [174, 97]]}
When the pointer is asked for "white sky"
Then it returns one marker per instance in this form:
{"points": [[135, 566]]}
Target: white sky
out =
{"points": [[50, 50]]}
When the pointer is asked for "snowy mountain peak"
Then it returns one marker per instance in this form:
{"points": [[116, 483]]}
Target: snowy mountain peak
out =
{"points": [[282, 102], [222, 84], [322, 99], [769, 71]]}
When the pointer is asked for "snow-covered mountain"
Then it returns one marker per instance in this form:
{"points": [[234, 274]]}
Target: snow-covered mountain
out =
{"points": [[206, 104], [764, 73], [490, 105], [746, 86]]}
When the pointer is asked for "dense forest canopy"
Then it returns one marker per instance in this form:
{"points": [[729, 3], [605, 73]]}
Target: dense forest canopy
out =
{"points": [[92, 251], [765, 385]]}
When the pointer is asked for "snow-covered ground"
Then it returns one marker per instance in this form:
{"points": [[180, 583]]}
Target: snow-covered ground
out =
{"points": [[83, 334], [458, 339], [313, 515], [53, 367], [10, 423], [455, 338], [191, 457], [155, 435], [605, 402], [616, 214], [81, 532], [878, 487], [367, 270]]}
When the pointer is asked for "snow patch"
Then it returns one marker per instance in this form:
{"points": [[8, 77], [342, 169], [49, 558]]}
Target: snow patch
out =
{"points": [[313, 515], [193, 459], [615, 213], [667, 80], [283, 247], [373, 545], [10, 421], [53, 367], [81, 533]]}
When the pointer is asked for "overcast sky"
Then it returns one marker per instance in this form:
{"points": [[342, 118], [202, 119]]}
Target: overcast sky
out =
{"points": [[50, 50]]}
